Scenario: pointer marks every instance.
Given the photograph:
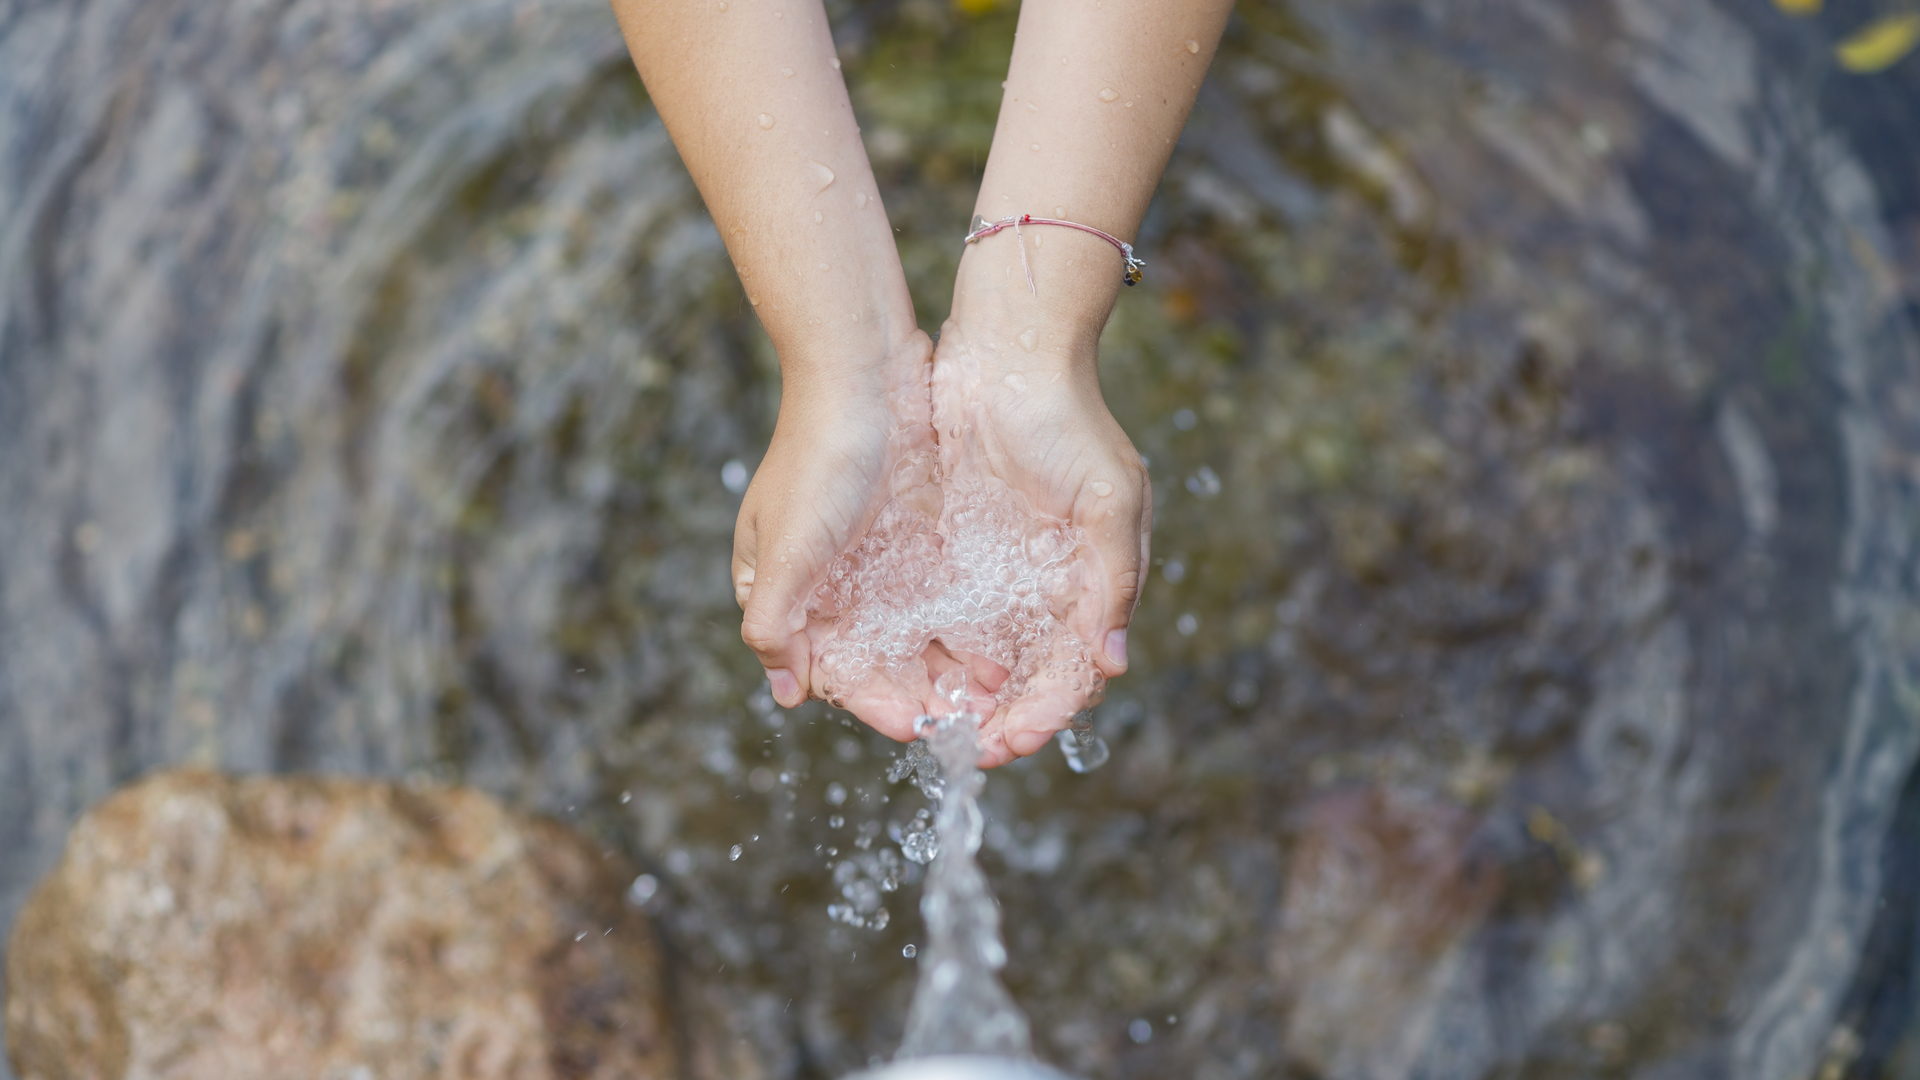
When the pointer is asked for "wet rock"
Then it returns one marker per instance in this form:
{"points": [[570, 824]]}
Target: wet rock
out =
{"points": [[1383, 888], [204, 926]]}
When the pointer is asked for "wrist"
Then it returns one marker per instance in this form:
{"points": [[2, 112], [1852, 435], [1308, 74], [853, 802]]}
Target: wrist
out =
{"points": [[1075, 278], [829, 373]]}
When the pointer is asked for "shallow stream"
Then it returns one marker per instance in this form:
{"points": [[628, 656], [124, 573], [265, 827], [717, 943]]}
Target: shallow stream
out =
{"points": [[1526, 684]]}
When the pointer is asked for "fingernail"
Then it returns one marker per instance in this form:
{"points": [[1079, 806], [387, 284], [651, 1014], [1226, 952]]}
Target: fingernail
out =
{"points": [[785, 688], [1117, 647]]}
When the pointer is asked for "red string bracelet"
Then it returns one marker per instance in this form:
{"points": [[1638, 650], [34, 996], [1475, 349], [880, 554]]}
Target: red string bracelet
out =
{"points": [[1135, 268]]}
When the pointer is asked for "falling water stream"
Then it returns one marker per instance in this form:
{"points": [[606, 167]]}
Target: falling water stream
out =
{"points": [[1525, 682]]}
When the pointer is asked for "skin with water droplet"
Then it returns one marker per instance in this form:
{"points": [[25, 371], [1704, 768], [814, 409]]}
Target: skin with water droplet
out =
{"points": [[822, 175], [1034, 146], [835, 62], [1016, 382], [766, 121], [1029, 338], [1109, 94], [1193, 47], [818, 217], [1031, 107], [860, 201], [788, 72], [1102, 489]]}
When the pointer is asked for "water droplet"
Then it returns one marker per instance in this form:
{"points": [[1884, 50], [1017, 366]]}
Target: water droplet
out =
{"points": [[722, 5], [1140, 1031], [1187, 624], [1060, 212], [1016, 382], [1193, 47], [766, 121], [1034, 146], [733, 477], [579, 937], [1029, 339], [1083, 750], [733, 853], [836, 821], [1184, 419], [1109, 94], [626, 797], [1204, 483], [1031, 107], [782, 15], [1102, 489], [822, 176], [819, 218], [788, 72], [909, 952], [860, 201], [643, 889], [835, 62]]}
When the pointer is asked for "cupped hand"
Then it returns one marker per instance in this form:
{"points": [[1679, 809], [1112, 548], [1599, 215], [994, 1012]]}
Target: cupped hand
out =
{"points": [[825, 476], [1015, 408]]}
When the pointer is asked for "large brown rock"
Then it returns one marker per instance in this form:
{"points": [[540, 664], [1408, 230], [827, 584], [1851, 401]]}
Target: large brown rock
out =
{"points": [[206, 927]]}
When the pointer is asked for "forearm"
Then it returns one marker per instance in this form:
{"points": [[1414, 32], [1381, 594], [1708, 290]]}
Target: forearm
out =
{"points": [[753, 98], [1095, 99]]}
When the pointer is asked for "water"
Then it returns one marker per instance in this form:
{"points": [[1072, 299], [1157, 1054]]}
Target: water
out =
{"points": [[959, 1004], [369, 371]]}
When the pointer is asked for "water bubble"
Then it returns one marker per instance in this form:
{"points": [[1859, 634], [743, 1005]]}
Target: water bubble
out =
{"points": [[835, 822], [766, 121], [1175, 571], [734, 476], [1140, 1031], [1184, 420], [1109, 94], [1101, 489], [643, 889], [822, 176], [836, 793], [760, 780], [733, 853], [1029, 339], [680, 862], [1187, 624], [909, 951], [847, 750], [1015, 382], [1193, 47]]}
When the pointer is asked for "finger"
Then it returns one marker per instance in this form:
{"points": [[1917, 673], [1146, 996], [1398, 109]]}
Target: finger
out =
{"points": [[1118, 525], [886, 708], [773, 622]]}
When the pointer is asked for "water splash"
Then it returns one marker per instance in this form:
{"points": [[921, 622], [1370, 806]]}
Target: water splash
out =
{"points": [[959, 1006]]}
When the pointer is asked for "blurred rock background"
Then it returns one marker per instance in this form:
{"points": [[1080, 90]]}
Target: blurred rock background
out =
{"points": [[1530, 391]]}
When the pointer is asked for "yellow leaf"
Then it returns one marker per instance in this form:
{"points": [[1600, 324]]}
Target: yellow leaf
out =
{"points": [[1880, 44], [1798, 7]]}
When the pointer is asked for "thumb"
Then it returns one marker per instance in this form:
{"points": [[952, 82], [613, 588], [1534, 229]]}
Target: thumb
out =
{"points": [[772, 594], [1119, 531]]}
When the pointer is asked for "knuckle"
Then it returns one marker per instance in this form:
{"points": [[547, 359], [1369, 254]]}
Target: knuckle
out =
{"points": [[763, 634]]}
